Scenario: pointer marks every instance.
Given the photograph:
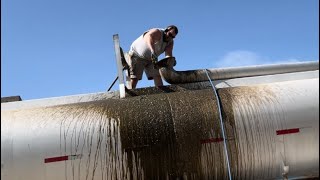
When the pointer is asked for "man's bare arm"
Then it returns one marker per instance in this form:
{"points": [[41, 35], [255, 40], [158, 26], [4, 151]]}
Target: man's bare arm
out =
{"points": [[168, 50], [152, 36]]}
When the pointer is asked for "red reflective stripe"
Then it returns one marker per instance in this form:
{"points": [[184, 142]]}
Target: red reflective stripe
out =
{"points": [[211, 140], [288, 131], [55, 159]]}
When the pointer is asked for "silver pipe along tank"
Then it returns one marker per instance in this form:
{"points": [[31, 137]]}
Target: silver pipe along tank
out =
{"points": [[271, 125]]}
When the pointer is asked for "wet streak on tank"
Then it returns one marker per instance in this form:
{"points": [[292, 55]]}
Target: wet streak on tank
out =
{"points": [[165, 131], [173, 135], [243, 108], [252, 114]]}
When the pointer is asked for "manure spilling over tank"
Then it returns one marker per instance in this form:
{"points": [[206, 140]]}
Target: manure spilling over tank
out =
{"points": [[270, 115]]}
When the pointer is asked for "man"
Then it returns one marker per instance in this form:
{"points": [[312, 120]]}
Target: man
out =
{"points": [[144, 53]]}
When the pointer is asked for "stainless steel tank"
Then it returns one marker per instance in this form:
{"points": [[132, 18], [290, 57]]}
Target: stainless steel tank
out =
{"points": [[271, 125]]}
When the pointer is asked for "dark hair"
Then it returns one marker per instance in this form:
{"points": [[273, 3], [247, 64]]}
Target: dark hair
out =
{"points": [[172, 27]]}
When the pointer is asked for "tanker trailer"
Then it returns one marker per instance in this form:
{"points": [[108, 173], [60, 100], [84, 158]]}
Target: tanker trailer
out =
{"points": [[263, 124]]}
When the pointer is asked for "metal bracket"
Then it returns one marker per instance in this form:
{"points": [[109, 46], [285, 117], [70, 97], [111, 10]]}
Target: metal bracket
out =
{"points": [[122, 88]]}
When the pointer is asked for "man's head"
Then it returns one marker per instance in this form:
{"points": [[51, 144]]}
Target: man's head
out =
{"points": [[171, 32]]}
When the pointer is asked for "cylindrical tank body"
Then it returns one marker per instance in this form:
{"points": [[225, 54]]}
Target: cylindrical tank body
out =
{"points": [[272, 131]]}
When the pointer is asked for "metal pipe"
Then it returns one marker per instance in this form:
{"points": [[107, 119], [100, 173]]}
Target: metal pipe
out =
{"points": [[179, 77]]}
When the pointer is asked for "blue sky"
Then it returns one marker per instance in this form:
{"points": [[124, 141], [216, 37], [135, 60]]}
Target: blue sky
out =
{"points": [[53, 48]]}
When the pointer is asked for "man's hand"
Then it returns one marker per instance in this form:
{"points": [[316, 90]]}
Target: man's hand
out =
{"points": [[154, 58]]}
